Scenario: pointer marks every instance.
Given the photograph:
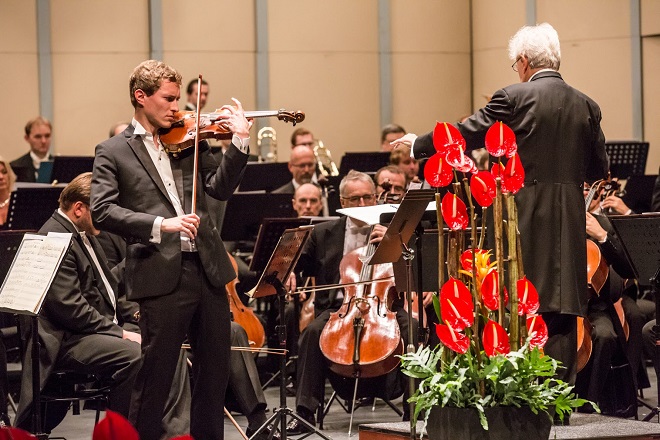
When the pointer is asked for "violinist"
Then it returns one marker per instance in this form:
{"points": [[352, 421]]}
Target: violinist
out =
{"points": [[321, 258], [396, 179], [176, 264], [616, 324]]}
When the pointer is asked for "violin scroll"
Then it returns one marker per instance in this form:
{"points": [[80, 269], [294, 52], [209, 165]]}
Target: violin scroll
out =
{"points": [[287, 116]]}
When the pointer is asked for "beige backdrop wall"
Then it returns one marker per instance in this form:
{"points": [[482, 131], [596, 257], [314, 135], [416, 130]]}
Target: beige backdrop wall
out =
{"points": [[447, 57]]}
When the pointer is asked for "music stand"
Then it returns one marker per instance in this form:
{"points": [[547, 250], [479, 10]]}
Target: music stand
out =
{"points": [[245, 211], [627, 158], [640, 237], [275, 275], [270, 231], [66, 168], [266, 176], [31, 205], [367, 162]]}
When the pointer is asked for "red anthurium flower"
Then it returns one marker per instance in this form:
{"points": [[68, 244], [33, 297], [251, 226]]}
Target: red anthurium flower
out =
{"points": [[452, 339], [514, 175], [445, 134], [113, 427], [495, 339], [528, 297], [537, 328], [490, 290], [466, 258], [483, 188], [454, 212], [497, 170], [500, 139], [437, 171], [455, 155], [458, 314], [468, 165], [454, 288], [9, 433]]}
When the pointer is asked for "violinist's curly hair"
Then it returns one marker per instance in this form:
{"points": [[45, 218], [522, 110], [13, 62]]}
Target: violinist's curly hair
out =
{"points": [[148, 75]]}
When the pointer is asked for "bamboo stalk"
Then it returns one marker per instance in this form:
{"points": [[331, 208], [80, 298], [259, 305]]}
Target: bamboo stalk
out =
{"points": [[512, 227], [499, 256]]}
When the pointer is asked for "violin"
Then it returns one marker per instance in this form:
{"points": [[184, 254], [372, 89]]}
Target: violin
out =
{"points": [[181, 134], [243, 315], [363, 339]]}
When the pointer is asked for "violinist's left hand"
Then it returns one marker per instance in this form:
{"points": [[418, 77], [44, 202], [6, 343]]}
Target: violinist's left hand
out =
{"points": [[615, 203], [377, 234], [233, 119]]}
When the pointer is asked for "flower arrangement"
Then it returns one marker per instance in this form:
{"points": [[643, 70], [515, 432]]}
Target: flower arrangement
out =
{"points": [[481, 363]]}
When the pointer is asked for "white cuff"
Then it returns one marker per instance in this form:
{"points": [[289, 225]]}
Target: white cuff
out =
{"points": [[155, 230], [243, 145]]}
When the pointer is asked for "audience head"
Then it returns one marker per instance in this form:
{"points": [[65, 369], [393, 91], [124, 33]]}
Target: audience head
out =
{"points": [[533, 48], [307, 200], [37, 134], [389, 133], [191, 91], [117, 128], [393, 175], [302, 164], [357, 189], [302, 136], [7, 178], [148, 77], [408, 165], [74, 202]]}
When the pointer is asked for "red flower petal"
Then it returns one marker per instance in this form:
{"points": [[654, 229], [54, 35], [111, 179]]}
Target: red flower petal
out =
{"points": [[452, 339], [455, 155], [454, 212], [497, 170], [183, 437], [445, 134], [483, 188], [528, 297], [500, 139], [495, 339], [9, 433], [437, 171], [490, 290], [514, 175], [113, 427], [468, 165], [454, 288], [457, 313], [537, 328]]}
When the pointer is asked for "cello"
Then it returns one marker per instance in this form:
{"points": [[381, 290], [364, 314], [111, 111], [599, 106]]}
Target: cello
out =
{"points": [[362, 338], [243, 315]]}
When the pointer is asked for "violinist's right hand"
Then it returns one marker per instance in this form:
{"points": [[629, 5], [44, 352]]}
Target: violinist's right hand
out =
{"points": [[291, 285], [187, 224], [406, 140]]}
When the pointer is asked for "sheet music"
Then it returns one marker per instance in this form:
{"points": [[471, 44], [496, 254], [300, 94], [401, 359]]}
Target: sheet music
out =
{"points": [[32, 272]]}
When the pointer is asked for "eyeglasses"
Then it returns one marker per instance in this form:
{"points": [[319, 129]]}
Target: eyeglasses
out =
{"points": [[305, 165], [356, 199], [514, 66]]}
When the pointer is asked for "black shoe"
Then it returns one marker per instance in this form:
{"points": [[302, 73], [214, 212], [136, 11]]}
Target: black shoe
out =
{"points": [[296, 427], [264, 434]]}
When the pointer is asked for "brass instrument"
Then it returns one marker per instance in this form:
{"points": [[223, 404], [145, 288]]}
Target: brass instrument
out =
{"points": [[324, 161], [270, 134]]}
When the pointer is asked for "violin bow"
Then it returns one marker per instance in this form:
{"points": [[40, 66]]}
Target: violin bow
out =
{"points": [[196, 153]]}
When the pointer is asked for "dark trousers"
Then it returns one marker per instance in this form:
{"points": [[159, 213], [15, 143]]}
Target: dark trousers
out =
{"points": [[200, 311], [562, 343], [244, 384]]}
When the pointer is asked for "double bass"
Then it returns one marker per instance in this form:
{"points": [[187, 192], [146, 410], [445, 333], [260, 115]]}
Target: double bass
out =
{"points": [[363, 338]]}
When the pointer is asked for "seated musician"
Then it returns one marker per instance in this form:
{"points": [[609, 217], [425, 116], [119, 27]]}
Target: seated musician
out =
{"points": [[396, 180], [7, 180], [321, 258], [302, 165], [610, 346], [78, 324]]}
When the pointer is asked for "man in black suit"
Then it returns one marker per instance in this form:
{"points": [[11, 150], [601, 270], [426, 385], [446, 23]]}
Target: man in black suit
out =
{"points": [[560, 144], [176, 265], [323, 253], [37, 134], [78, 323], [192, 92]]}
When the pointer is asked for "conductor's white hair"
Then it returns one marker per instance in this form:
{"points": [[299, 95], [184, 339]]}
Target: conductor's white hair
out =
{"points": [[540, 44]]}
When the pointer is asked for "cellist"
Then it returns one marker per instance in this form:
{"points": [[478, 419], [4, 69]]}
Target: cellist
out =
{"points": [[616, 339], [321, 258]]}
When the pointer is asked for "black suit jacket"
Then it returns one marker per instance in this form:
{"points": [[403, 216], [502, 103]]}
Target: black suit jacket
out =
{"points": [[77, 303], [285, 189], [321, 258], [128, 194], [560, 144], [24, 168]]}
